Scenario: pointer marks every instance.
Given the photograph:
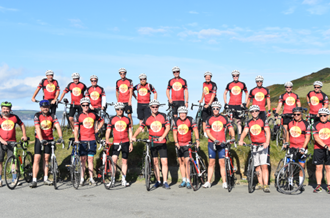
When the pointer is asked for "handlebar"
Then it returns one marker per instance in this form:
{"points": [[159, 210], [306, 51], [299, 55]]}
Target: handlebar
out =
{"points": [[225, 143], [23, 144], [110, 104], [196, 105], [169, 106]]}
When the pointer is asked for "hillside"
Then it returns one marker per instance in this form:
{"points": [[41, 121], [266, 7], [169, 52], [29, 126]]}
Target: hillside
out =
{"points": [[29, 114]]}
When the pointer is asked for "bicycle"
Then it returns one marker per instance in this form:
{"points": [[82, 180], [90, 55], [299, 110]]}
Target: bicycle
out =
{"points": [[230, 169], [278, 132], [170, 115], [75, 166], [198, 118], [242, 114], [65, 122], [15, 166], [108, 167]]}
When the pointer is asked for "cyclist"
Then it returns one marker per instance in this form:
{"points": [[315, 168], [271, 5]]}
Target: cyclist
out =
{"points": [[209, 95], [120, 126], [85, 122], [236, 88], [51, 90], [158, 126], [321, 132], [96, 95], [124, 92], [182, 131], [44, 122], [179, 88], [290, 100], [144, 90], [298, 137], [317, 99], [8, 122], [215, 130], [77, 90], [257, 128], [260, 96]]}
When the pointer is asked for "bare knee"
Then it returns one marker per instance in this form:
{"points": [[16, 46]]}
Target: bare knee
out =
{"points": [[212, 163]]}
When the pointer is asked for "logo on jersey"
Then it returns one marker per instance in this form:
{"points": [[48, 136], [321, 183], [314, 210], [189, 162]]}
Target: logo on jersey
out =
{"points": [[206, 90], [45, 125], [120, 125], [7, 125], [259, 96], [95, 95], [156, 126], [143, 91], [255, 129], [324, 133], [76, 91], [295, 131], [123, 88], [50, 87], [183, 129], [217, 126], [88, 122], [236, 90], [177, 86], [314, 100], [290, 101]]}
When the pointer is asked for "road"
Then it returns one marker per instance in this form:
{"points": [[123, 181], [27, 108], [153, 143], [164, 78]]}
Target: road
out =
{"points": [[135, 201]]}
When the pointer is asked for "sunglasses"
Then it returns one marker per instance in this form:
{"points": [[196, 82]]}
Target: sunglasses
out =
{"points": [[154, 107], [93, 81], [288, 87], [254, 111], [296, 114], [120, 109], [142, 79], [323, 115], [317, 87], [122, 73], [176, 72], [216, 109], [259, 81], [235, 76], [84, 105]]}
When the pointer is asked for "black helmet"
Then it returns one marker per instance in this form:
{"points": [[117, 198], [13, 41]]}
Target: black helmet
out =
{"points": [[297, 109]]}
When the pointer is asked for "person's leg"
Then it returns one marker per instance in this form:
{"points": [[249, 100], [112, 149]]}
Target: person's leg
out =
{"points": [[36, 162], [164, 168], [90, 166], [46, 165], [182, 167], [115, 158], [264, 174], [301, 173], [223, 170], [124, 167], [210, 170], [71, 122], [83, 166], [259, 175], [186, 160], [327, 173], [318, 174], [156, 168]]}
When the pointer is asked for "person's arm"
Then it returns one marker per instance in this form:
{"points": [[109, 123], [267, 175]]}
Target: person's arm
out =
{"points": [[167, 130], [56, 95], [168, 96], [62, 96], [117, 95], [225, 96], [196, 136], [307, 138], [130, 97], [134, 95], [319, 141], [248, 102], [278, 107], [211, 100], [130, 133], [299, 104], [287, 137], [203, 95], [244, 134], [155, 95], [107, 135], [76, 129], [3, 141], [137, 132], [232, 132], [38, 131], [268, 103], [266, 144], [24, 138], [175, 138], [186, 95], [58, 128], [209, 135], [308, 101], [100, 124], [246, 96], [35, 94]]}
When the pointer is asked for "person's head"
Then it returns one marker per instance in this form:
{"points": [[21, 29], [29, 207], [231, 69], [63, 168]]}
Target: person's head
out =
{"points": [[119, 107], [235, 75], [75, 77], [5, 108], [49, 75], [154, 105], [182, 111], [216, 107], [94, 80], [288, 86], [122, 73], [208, 76], [254, 110], [44, 106], [176, 71], [324, 114], [259, 80], [318, 86], [85, 102], [143, 79], [297, 113]]}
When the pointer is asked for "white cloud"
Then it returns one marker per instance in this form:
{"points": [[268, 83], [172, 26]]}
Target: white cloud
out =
{"points": [[318, 9], [302, 51], [110, 89], [204, 33], [3, 9], [193, 24], [310, 2], [193, 12], [77, 23], [150, 30], [289, 11]]}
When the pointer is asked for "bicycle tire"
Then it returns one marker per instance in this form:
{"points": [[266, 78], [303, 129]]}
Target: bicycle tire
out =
{"points": [[271, 124], [279, 166], [55, 169], [76, 172], [251, 175], [203, 171], [229, 174], [109, 174], [28, 167], [147, 172], [281, 133], [9, 172], [235, 130], [194, 181], [200, 127], [283, 180]]}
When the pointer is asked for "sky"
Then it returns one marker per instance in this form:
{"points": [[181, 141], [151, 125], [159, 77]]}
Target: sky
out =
{"points": [[280, 40]]}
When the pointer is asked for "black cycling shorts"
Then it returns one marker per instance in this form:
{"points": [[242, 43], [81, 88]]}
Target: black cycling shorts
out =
{"points": [[206, 112], [287, 119], [97, 111], [160, 148], [53, 107], [143, 111], [315, 117], [124, 150], [5, 148], [176, 105], [262, 115], [37, 147], [128, 109], [183, 151], [74, 109], [320, 157], [237, 108]]}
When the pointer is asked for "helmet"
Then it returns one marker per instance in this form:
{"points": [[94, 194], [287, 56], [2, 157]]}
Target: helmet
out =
{"points": [[44, 103], [216, 104], [259, 78], [324, 111], [85, 100], [6, 104], [174, 69], [254, 108], [288, 84], [207, 74], [142, 76], [297, 109], [318, 83], [235, 72], [182, 109], [75, 76], [119, 105], [154, 102], [49, 72], [94, 77], [122, 70]]}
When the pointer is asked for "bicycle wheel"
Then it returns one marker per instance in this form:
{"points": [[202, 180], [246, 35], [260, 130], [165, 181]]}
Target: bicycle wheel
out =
{"points": [[28, 166], [271, 124], [200, 127], [229, 175], [203, 171], [194, 181], [12, 172], [279, 166], [109, 173], [147, 172], [288, 178], [281, 136], [251, 175], [56, 172], [76, 172]]}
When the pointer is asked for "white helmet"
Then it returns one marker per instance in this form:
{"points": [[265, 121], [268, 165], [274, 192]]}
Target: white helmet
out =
{"points": [[75, 76], [235, 72], [142, 76], [324, 111], [122, 70], [183, 109], [319, 83], [174, 69], [216, 104], [259, 78], [94, 77], [288, 84], [254, 108], [119, 105], [154, 102], [49, 72], [207, 74], [85, 100]]}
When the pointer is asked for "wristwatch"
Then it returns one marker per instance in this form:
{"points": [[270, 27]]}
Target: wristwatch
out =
{"points": [[197, 139]]}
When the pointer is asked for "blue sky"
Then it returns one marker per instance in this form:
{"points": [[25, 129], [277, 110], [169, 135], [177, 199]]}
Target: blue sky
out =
{"points": [[280, 40]]}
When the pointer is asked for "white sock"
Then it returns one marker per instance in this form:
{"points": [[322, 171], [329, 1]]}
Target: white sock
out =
{"points": [[301, 180], [184, 179], [34, 179], [91, 179], [45, 178], [82, 179], [188, 180], [123, 177], [159, 182]]}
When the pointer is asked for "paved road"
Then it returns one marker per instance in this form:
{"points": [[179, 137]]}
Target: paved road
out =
{"points": [[135, 201]]}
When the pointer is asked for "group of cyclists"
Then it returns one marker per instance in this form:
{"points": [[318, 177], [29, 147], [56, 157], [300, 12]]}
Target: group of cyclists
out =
{"points": [[86, 122]]}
